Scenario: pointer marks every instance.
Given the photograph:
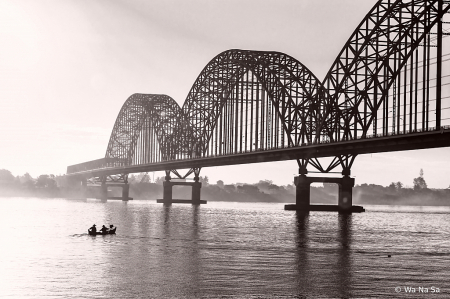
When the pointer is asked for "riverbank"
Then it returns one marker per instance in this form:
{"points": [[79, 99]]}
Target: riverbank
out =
{"points": [[263, 191]]}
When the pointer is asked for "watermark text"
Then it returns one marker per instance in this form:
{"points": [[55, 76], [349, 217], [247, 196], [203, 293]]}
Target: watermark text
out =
{"points": [[431, 289]]}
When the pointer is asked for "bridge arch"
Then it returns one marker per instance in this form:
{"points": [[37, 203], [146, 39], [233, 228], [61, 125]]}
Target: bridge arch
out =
{"points": [[149, 128], [235, 80]]}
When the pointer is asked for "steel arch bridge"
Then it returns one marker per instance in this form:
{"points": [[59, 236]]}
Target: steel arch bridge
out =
{"points": [[384, 92]]}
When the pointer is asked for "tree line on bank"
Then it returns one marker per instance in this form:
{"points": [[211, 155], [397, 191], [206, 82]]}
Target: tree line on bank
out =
{"points": [[42, 186], [142, 186]]}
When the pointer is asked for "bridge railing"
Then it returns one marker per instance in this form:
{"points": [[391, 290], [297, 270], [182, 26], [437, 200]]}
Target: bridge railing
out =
{"points": [[96, 164]]}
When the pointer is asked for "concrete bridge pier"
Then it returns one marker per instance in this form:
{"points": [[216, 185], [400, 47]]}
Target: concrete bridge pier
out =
{"points": [[167, 191], [167, 199], [345, 199], [125, 191], [196, 186], [302, 192]]}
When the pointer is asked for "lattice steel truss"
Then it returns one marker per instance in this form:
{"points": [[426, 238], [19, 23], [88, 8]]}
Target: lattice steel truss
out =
{"points": [[149, 128], [249, 100], [386, 80], [380, 82]]}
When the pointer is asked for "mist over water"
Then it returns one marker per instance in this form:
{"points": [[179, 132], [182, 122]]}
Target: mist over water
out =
{"points": [[240, 250]]}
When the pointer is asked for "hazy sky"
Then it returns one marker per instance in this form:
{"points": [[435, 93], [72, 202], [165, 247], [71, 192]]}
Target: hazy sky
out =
{"points": [[67, 67]]}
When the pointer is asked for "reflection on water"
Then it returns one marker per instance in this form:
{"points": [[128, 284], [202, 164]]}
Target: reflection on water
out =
{"points": [[344, 252], [220, 249], [324, 268], [302, 248]]}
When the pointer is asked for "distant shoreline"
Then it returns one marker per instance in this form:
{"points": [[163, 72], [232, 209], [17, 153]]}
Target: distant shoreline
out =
{"points": [[264, 191]]}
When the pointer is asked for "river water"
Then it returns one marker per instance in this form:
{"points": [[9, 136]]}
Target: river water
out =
{"points": [[226, 250]]}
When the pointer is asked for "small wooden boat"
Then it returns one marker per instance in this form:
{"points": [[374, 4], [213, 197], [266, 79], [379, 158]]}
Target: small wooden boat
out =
{"points": [[108, 232]]}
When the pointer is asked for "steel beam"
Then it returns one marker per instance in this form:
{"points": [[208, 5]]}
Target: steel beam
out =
{"points": [[413, 141]]}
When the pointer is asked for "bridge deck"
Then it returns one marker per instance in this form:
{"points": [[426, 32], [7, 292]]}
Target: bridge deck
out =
{"points": [[411, 141]]}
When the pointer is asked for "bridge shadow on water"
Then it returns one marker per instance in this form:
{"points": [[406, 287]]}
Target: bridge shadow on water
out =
{"points": [[323, 268]]}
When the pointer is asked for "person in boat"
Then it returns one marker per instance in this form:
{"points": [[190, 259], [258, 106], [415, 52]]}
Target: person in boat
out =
{"points": [[104, 230], [93, 229], [111, 228]]}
